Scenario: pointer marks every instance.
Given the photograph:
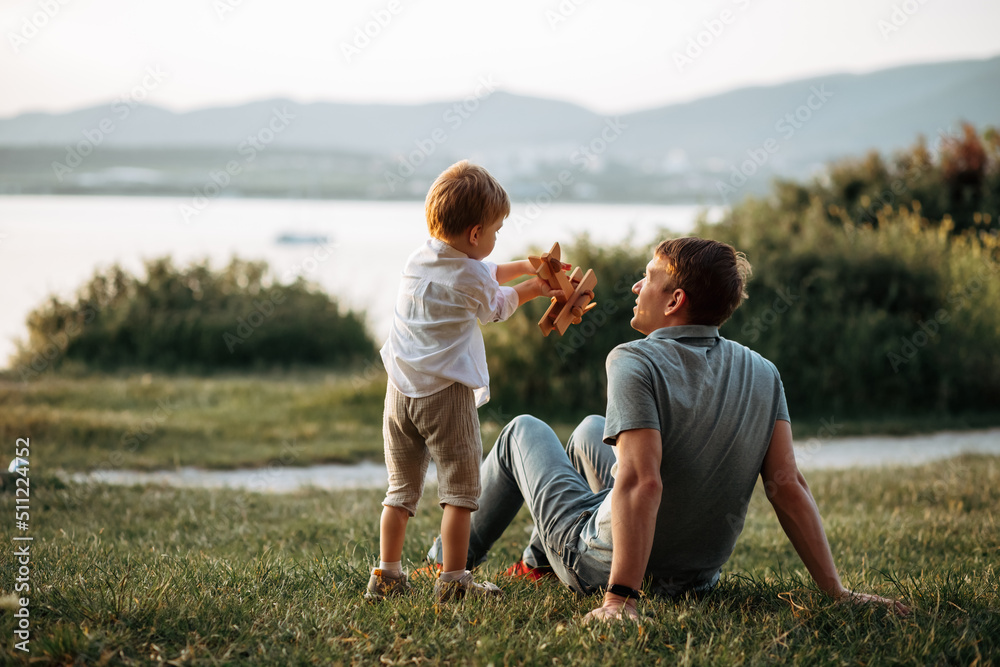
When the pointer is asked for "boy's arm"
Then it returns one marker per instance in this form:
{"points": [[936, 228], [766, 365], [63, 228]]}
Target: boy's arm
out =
{"points": [[510, 270], [532, 289], [525, 291], [522, 267]]}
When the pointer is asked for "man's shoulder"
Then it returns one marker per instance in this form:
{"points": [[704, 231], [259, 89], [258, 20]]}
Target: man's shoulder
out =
{"points": [[751, 356], [656, 351], [648, 348], [631, 350]]}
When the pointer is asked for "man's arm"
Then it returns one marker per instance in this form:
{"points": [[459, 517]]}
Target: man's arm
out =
{"points": [[635, 500], [796, 509]]}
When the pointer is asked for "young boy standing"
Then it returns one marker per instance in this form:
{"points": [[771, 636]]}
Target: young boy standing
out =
{"points": [[436, 362]]}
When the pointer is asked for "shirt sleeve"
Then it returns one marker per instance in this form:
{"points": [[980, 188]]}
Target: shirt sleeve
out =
{"points": [[782, 405], [497, 302], [631, 401]]}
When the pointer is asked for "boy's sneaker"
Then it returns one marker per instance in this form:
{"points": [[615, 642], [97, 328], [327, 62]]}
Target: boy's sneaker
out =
{"points": [[445, 591], [382, 585], [522, 570]]}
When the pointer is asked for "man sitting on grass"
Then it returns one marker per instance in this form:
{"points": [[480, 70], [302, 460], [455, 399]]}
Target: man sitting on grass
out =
{"points": [[695, 418]]}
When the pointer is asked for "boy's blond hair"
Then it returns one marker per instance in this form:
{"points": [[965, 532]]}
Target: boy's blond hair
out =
{"points": [[463, 196]]}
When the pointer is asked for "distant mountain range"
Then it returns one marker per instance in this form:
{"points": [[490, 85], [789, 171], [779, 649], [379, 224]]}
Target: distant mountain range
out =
{"points": [[677, 150]]}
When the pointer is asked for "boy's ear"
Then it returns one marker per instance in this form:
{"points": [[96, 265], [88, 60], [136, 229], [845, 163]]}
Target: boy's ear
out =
{"points": [[474, 234]]}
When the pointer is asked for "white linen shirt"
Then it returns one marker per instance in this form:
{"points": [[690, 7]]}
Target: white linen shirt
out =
{"points": [[435, 341]]}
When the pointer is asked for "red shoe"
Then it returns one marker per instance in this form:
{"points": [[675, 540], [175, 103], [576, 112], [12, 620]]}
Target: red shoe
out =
{"points": [[520, 569]]}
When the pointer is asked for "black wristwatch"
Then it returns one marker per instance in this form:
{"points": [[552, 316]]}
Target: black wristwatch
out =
{"points": [[623, 591]]}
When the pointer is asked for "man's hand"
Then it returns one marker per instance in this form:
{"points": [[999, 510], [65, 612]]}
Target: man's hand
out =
{"points": [[615, 608], [866, 598]]}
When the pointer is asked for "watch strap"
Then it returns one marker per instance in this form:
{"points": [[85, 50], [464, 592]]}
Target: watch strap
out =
{"points": [[623, 591]]}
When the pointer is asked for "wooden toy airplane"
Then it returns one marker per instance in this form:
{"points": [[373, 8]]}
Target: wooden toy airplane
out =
{"points": [[577, 289]]}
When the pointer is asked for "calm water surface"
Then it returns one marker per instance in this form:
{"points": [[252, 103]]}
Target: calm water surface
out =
{"points": [[834, 454], [53, 244]]}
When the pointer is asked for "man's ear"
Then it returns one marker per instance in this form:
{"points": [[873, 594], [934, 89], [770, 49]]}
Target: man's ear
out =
{"points": [[678, 300], [474, 234]]}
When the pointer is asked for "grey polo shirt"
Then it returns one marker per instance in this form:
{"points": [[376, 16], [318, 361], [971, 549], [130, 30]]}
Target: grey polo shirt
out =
{"points": [[714, 403]]}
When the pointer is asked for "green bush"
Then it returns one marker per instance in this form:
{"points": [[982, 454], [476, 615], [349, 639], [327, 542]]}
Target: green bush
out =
{"points": [[958, 180], [869, 306], [192, 318], [899, 317]]}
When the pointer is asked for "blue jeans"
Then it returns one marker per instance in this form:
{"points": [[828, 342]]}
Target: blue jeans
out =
{"points": [[563, 489]]}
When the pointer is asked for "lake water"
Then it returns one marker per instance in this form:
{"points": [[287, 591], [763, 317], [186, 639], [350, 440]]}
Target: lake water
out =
{"points": [[51, 245], [834, 454]]}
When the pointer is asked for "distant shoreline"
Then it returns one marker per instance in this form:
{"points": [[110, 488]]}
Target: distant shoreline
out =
{"points": [[177, 193]]}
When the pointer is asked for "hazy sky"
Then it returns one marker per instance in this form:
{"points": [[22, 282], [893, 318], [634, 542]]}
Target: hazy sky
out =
{"points": [[609, 56]]}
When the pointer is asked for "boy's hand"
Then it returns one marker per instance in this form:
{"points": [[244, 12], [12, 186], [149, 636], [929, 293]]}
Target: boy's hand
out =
{"points": [[534, 288]]}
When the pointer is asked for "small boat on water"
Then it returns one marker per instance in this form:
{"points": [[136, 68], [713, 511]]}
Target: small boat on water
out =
{"points": [[291, 238]]}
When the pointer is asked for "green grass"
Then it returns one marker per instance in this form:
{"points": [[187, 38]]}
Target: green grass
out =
{"points": [[151, 421], [150, 575], [146, 421]]}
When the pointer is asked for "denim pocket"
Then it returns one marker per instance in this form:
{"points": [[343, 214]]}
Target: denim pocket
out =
{"points": [[570, 560]]}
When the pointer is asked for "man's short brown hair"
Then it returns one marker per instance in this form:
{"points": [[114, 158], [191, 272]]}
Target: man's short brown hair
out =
{"points": [[463, 196], [712, 274]]}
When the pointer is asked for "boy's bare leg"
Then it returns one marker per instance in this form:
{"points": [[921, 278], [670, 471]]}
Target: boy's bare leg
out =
{"points": [[455, 582], [455, 537], [391, 533], [388, 578]]}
